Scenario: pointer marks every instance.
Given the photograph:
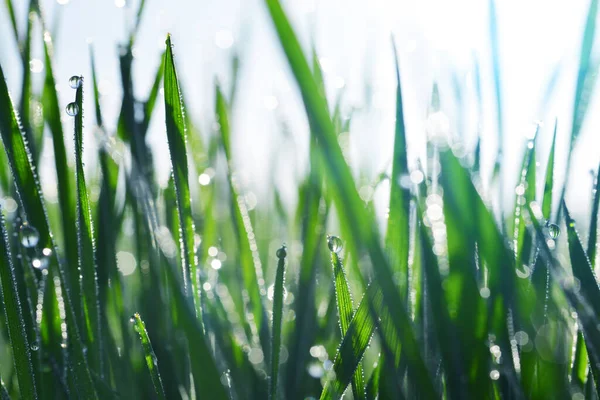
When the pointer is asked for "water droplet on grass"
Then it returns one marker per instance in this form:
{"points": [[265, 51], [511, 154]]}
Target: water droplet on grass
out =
{"points": [[75, 82], [29, 236], [553, 230], [34, 346], [72, 109], [494, 374], [282, 252], [335, 244]]}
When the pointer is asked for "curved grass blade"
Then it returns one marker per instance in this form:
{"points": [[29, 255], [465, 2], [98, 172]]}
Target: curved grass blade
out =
{"points": [[549, 181], [86, 251], [176, 135], [397, 237], [149, 355], [345, 195], [354, 344], [277, 317], [14, 319], [13, 20], [345, 308], [29, 193]]}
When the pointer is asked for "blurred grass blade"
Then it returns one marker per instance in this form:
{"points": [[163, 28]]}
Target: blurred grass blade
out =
{"points": [[277, 318], [86, 255], [495, 49], [396, 240], [549, 181], [345, 308], [17, 336], [176, 135], [151, 101], [593, 237], [149, 355], [354, 344], [29, 191], [13, 20]]}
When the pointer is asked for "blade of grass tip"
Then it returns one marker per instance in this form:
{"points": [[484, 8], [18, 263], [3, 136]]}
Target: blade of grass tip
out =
{"points": [[14, 319], [176, 135], [138, 20], [397, 236], [353, 345], [149, 355], [13, 20], [277, 317], [26, 87], [549, 181], [346, 198], [53, 115], [592, 239], [30, 198], [151, 101], [345, 308], [252, 273], [86, 254]]}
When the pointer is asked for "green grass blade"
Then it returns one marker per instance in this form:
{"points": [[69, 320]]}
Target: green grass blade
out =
{"points": [[3, 392], [373, 383], [396, 240], [354, 344], [593, 237], [13, 20], [149, 355], [29, 191], [151, 101], [86, 254], [549, 181], [277, 317], [251, 266], [345, 308], [14, 319], [176, 135]]}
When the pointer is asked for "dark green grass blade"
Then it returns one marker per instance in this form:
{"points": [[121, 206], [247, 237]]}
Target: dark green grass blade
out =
{"points": [[176, 136], [29, 191], [354, 344], [252, 273], [3, 392], [86, 254], [345, 196], [53, 114], [396, 240], [593, 237], [373, 383], [549, 181], [277, 317], [345, 308], [14, 319], [149, 355], [150, 103]]}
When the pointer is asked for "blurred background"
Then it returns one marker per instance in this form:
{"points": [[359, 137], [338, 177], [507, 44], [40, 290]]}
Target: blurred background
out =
{"points": [[447, 42]]}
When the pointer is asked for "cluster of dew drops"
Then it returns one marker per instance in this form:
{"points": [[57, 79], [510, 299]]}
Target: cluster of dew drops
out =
{"points": [[75, 82], [30, 237]]}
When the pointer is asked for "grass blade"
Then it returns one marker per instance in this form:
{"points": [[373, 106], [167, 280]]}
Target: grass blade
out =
{"points": [[549, 181], [345, 308], [277, 317], [14, 319], [149, 355], [593, 237], [86, 254], [176, 136]]}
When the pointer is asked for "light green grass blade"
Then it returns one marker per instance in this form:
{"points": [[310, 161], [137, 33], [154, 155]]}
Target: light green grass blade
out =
{"points": [[176, 135], [345, 308], [150, 103], [29, 191], [593, 236], [151, 361], [397, 237], [13, 20], [549, 181], [277, 317], [86, 254], [354, 344], [21, 351], [251, 266]]}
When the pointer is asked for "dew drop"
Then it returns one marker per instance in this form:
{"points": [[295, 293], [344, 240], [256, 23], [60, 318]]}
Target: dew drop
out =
{"points": [[132, 319], [495, 374], [75, 82], [72, 109], [29, 236], [335, 244], [553, 230], [34, 346], [282, 252]]}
